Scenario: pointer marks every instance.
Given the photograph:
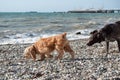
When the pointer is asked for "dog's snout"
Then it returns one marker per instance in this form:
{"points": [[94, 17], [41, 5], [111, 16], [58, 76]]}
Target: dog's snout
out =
{"points": [[88, 44], [24, 56]]}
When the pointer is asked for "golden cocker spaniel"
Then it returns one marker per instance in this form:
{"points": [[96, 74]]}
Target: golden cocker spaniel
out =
{"points": [[45, 46]]}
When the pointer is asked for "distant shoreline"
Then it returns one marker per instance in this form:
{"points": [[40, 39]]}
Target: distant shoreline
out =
{"points": [[95, 11], [73, 11]]}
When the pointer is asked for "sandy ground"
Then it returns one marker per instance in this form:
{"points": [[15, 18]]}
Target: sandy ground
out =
{"points": [[90, 63]]}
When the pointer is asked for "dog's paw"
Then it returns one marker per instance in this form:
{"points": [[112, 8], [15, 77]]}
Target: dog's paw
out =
{"points": [[51, 56], [40, 60], [56, 57]]}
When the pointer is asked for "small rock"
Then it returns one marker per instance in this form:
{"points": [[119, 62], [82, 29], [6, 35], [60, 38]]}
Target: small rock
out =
{"points": [[78, 33]]}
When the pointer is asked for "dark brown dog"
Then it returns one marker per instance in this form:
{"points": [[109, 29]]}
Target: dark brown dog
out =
{"points": [[45, 46], [109, 32]]}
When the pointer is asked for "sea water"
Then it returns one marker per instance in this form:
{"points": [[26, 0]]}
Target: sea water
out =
{"points": [[27, 27]]}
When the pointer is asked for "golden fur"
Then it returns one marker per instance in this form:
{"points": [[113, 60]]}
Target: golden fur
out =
{"points": [[45, 46]]}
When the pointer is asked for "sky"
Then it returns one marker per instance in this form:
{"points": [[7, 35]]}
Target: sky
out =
{"points": [[56, 5]]}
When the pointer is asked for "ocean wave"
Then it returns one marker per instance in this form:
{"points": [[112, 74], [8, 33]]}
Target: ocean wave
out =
{"points": [[4, 25], [22, 35], [92, 23], [32, 37], [51, 27], [26, 28], [18, 41]]}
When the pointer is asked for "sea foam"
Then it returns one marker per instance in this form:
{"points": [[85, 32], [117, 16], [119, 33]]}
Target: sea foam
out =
{"points": [[32, 37]]}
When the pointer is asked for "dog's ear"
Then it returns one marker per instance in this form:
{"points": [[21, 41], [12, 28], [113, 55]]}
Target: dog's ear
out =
{"points": [[93, 31], [64, 34], [33, 52]]}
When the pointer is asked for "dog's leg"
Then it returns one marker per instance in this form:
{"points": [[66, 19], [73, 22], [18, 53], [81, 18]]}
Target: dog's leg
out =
{"points": [[67, 48], [49, 55], [107, 48], [118, 42], [33, 55], [42, 57], [60, 51]]}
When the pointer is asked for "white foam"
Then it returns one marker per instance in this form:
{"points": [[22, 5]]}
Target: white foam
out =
{"points": [[32, 40], [19, 41], [26, 38], [22, 35], [74, 36]]}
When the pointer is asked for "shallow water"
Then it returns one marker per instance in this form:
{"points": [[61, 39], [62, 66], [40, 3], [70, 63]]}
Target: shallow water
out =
{"points": [[26, 27]]}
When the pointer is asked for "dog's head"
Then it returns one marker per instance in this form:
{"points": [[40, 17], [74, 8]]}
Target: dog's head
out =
{"points": [[30, 52], [61, 39], [61, 36], [95, 37]]}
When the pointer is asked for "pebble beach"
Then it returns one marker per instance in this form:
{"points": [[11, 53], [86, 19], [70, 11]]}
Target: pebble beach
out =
{"points": [[90, 63]]}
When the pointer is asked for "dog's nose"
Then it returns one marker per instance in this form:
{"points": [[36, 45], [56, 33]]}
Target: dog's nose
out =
{"points": [[88, 44], [24, 56]]}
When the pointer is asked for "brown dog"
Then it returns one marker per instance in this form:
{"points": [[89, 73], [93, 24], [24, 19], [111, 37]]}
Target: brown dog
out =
{"points": [[109, 32], [45, 46]]}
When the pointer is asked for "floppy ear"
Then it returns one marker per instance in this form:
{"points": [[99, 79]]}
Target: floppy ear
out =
{"points": [[33, 52], [93, 31], [64, 34]]}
